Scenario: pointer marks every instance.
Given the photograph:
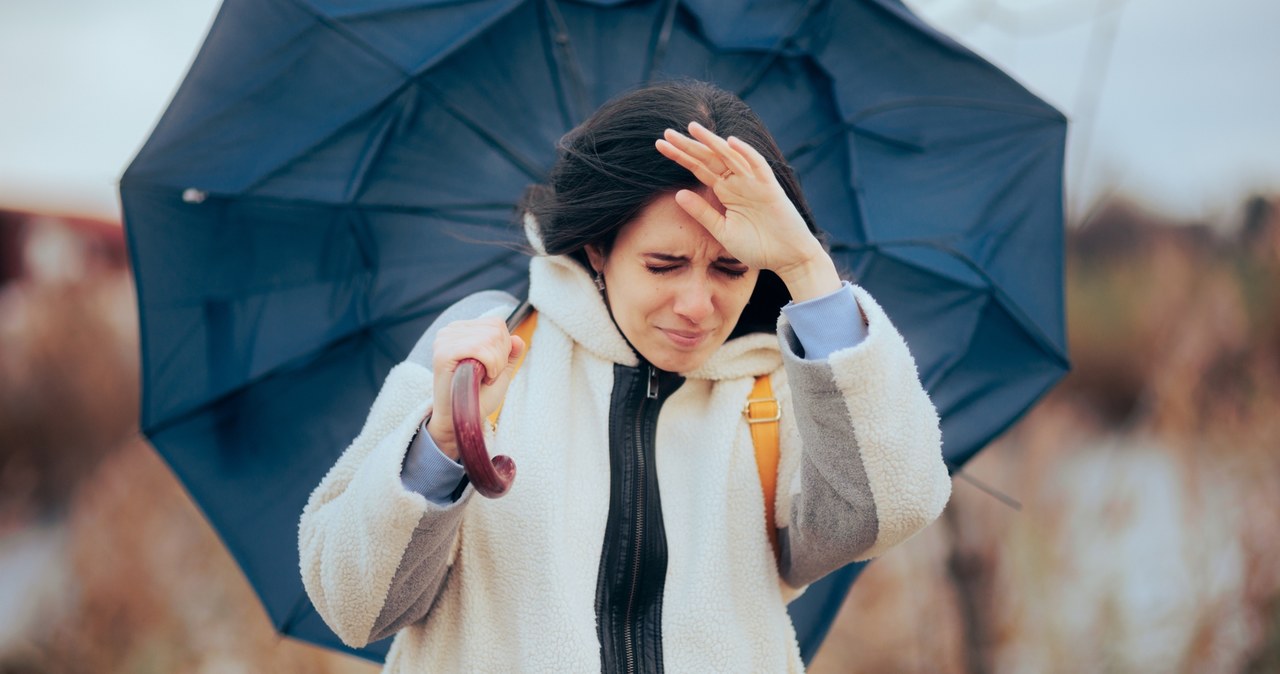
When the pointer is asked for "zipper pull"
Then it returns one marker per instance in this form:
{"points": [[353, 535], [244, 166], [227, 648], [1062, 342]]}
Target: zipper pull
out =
{"points": [[653, 382]]}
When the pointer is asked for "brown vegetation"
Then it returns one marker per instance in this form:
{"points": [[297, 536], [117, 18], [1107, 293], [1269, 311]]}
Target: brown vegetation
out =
{"points": [[1148, 479]]}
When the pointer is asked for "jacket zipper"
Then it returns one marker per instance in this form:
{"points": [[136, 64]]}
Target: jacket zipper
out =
{"points": [[628, 636]]}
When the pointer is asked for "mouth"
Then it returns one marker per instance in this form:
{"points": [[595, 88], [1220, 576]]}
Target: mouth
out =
{"points": [[686, 339]]}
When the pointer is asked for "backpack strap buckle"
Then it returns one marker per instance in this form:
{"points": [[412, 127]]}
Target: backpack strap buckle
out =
{"points": [[766, 415]]}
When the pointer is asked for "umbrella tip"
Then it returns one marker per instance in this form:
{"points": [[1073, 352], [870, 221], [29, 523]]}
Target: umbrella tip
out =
{"points": [[192, 195]]}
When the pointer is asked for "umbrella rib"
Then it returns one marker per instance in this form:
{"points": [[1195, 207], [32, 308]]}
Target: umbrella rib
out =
{"points": [[491, 224], [553, 71], [852, 123], [303, 152], [384, 12], [1033, 330], [247, 292], [949, 365], [150, 367], [955, 102], [564, 57], [351, 37], [449, 210], [341, 31], [991, 491], [661, 38], [301, 360], [457, 212], [524, 164], [384, 136], [372, 150], [256, 86], [337, 27], [839, 128], [464, 38], [518, 274], [1008, 187], [467, 275], [300, 610], [797, 22]]}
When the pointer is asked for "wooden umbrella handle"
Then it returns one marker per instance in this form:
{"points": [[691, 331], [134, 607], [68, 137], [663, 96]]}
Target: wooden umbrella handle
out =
{"points": [[492, 477]]}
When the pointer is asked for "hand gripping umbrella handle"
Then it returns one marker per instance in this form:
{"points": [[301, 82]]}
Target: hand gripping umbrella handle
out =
{"points": [[491, 477]]}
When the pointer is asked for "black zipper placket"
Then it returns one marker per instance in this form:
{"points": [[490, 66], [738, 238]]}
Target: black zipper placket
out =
{"points": [[628, 631]]}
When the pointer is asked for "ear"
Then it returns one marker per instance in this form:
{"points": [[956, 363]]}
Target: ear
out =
{"points": [[596, 257]]}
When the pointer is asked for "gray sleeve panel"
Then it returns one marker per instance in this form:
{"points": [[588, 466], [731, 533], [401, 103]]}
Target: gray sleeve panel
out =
{"points": [[424, 566], [423, 569], [471, 306], [833, 517]]}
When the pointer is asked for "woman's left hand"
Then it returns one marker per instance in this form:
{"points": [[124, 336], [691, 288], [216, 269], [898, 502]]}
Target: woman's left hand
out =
{"points": [[759, 226]]}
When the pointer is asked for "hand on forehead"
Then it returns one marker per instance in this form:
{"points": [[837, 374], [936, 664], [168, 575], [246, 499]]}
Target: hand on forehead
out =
{"points": [[664, 228]]}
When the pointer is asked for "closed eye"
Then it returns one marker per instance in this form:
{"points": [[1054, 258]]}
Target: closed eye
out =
{"points": [[732, 272]]}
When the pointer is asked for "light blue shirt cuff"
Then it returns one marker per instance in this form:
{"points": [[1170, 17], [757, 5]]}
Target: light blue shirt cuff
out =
{"points": [[828, 323], [428, 471]]}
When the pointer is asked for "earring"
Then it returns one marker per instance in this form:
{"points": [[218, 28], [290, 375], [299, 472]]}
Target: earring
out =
{"points": [[599, 281]]}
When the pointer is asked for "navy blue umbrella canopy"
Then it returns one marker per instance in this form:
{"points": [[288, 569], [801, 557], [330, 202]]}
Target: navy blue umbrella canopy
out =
{"points": [[331, 175]]}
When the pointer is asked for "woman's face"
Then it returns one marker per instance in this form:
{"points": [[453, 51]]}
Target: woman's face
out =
{"points": [[674, 291]]}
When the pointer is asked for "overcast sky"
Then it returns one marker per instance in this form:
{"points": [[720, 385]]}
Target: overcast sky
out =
{"points": [[1176, 101]]}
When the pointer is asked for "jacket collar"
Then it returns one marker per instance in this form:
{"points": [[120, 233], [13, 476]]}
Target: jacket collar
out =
{"points": [[564, 293]]}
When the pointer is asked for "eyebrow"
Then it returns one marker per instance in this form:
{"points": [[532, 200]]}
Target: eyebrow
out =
{"points": [[667, 257]]}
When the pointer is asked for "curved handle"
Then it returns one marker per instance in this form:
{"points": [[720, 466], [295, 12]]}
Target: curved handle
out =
{"points": [[492, 477]]}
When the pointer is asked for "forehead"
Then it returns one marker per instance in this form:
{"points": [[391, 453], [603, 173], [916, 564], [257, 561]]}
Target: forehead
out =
{"points": [[663, 226]]}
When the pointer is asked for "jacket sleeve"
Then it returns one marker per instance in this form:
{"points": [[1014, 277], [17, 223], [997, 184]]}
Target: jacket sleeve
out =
{"points": [[373, 554], [870, 472]]}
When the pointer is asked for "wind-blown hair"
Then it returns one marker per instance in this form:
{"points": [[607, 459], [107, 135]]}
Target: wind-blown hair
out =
{"points": [[608, 170]]}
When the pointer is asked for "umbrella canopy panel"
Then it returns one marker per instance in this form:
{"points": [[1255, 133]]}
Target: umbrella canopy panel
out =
{"points": [[331, 175]]}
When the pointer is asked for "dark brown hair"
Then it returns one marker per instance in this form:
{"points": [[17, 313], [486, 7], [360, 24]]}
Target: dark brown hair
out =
{"points": [[608, 170]]}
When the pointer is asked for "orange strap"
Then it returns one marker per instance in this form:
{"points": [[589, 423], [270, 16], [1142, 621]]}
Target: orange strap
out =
{"points": [[762, 412]]}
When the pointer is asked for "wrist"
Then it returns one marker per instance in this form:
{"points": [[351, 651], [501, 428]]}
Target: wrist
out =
{"points": [[444, 438], [814, 277]]}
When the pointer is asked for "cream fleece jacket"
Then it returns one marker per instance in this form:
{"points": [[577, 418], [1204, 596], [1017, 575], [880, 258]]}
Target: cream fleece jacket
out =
{"points": [[509, 584]]}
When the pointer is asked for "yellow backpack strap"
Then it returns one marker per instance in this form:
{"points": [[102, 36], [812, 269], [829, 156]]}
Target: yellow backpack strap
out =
{"points": [[763, 412], [525, 331]]}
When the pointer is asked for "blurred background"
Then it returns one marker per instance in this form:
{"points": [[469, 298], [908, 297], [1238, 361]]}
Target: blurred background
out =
{"points": [[1131, 527]]}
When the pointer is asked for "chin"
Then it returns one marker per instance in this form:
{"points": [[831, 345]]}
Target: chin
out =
{"points": [[679, 362]]}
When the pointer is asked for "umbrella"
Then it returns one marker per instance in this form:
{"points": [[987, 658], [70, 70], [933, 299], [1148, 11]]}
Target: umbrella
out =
{"points": [[331, 175]]}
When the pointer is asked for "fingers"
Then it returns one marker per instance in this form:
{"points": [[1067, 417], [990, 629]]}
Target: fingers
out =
{"points": [[699, 209], [486, 340], [517, 350], [709, 158], [722, 149], [694, 165], [750, 154]]}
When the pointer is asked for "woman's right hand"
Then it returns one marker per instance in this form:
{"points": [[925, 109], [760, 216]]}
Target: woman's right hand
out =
{"points": [[486, 340]]}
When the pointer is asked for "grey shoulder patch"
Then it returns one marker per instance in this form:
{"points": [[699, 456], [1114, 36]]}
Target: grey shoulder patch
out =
{"points": [[833, 517], [471, 306], [422, 572]]}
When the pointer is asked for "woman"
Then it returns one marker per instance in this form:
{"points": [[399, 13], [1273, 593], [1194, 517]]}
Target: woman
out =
{"points": [[634, 537]]}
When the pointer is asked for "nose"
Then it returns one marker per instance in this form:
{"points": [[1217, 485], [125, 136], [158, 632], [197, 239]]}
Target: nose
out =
{"points": [[694, 299]]}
